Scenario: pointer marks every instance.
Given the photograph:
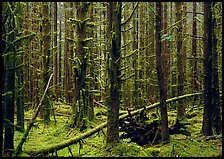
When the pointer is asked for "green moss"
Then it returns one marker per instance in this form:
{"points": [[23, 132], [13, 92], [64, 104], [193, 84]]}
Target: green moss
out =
{"points": [[125, 149], [42, 135]]}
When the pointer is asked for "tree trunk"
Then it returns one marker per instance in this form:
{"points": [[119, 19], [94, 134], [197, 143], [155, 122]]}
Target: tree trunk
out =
{"points": [[114, 27], [135, 58], [160, 75], [208, 109], [34, 60], [80, 104], [60, 81], [180, 59], [9, 81], [55, 53], [215, 80], [26, 56], [66, 53], [165, 46], [46, 57], [194, 50]]}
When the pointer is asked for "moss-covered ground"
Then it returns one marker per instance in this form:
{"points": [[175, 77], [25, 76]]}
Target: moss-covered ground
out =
{"points": [[42, 135]]}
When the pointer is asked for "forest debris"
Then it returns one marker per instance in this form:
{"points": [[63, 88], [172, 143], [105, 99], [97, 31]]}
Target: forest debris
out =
{"points": [[19, 147], [180, 128], [76, 139], [141, 130]]}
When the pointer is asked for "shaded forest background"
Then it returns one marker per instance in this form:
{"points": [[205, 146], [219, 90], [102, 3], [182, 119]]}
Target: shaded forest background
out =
{"points": [[102, 54]]}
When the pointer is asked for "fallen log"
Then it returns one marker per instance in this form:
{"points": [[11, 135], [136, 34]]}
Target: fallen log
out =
{"points": [[76, 139], [67, 143]]}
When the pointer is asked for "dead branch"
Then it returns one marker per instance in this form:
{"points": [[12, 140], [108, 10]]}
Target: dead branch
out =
{"points": [[19, 147]]}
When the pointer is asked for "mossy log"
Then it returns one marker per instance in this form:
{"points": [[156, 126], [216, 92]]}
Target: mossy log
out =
{"points": [[67, 143], [77, 139]]}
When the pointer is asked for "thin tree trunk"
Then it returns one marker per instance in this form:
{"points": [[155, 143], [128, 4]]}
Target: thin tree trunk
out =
{"points": [[160, 75], [60, 60], [165, 55], [66, 53], [46, 57], [55, 54], [194, 49], [26, 54], [180, 61]]}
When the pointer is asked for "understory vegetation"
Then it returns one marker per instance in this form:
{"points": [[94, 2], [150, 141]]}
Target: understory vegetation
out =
{"points": [[58, 130]]}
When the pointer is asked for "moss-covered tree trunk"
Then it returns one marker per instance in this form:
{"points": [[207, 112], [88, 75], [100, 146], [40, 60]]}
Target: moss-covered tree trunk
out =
{"points": [[211, 116], [9, 52], [19, 94], [160, 75], [46, 57], [215, 80], [114, 28], [66, 52], [135, 58], [180, 60], [34, 58], [80, 101]]}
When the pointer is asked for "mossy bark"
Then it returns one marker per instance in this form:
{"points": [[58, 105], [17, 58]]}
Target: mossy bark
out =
{"points": [[8, 75], [180, 60], [81, 99], [46, 58], [114, 27]]}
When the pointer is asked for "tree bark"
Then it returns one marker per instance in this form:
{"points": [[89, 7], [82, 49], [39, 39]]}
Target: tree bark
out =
{"points": [[55, 53], [208, 109], [180, 59], [9, 80], [46, 58], [194, 49], [80, 104], [114, 12], [215, 81], [160, 76]]}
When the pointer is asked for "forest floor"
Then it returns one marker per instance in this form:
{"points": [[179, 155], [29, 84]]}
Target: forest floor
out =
{"points": [[42, 135]]}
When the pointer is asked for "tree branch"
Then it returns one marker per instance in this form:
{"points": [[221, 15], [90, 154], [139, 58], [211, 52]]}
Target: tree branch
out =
{"points": [[19, 147], [123, 23]]}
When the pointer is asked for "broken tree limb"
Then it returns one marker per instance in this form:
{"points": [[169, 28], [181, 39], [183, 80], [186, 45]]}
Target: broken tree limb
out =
{"points": [[19, 147], [67, 143], [85, 135]]}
